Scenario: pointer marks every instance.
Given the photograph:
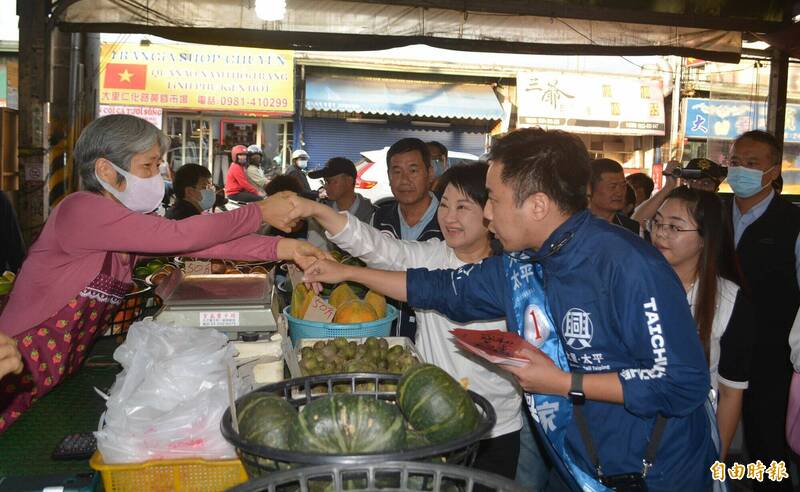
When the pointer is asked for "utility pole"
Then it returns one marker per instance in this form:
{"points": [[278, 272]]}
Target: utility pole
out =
{"points": [[34, 53], [776, 98], [675, 115]]}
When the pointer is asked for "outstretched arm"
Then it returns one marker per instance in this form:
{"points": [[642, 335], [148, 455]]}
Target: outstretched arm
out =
{"points": [[376, 249], [471, 293], [390, 284], [330, 220]]}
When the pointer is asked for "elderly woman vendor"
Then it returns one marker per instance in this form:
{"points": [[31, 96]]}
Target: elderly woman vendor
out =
{"points": [[78, 270]]}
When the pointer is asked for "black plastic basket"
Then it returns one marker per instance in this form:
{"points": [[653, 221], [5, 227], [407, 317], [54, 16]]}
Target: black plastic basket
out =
{"points": [[136, 305], [259, 459], [392, 476]]}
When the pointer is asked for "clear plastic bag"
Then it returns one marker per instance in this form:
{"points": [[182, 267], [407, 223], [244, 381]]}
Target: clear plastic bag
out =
{"points": [[168, 401]]}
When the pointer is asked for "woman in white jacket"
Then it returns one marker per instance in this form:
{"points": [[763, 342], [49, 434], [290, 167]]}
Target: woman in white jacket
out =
{"points": [[690, 230], [467, 240]]}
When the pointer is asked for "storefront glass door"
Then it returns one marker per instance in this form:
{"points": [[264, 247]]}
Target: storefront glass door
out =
{"points": [[192, 141]]}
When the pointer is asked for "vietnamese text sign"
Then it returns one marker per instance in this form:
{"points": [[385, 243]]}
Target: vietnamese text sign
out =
{"points": [[725, 119], [590, 103], [183, 76], [153, 115]]}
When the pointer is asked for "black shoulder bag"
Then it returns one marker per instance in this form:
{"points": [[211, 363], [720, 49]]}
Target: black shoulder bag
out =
{"points": [[624, 482]]}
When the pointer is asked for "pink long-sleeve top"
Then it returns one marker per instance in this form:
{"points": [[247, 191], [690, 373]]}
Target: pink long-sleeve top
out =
{"points": [[236, 181], [85, 226]]}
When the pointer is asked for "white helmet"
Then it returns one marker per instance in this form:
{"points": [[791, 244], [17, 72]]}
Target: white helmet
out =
{"points": [[299, 153], [254, 149]]}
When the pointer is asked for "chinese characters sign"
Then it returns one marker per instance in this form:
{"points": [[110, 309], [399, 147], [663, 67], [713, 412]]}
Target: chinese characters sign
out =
{"points": [[725, 119], [183, 76], [590, 104]]}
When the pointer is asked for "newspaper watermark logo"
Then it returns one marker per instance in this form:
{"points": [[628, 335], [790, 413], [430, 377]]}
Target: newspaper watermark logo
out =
{"points": [[775, 472]]}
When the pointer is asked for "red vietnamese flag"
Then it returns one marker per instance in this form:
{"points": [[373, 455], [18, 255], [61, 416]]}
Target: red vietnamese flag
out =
{"points": [[125, 76]]}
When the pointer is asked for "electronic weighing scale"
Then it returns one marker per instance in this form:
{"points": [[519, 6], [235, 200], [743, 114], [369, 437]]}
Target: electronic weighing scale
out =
{"points": [[237, 305]]}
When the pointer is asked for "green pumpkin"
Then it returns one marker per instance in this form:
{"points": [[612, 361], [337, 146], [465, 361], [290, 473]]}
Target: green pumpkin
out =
{"points": [[348, 424], [435, 404], [264, 419], [416, 439]]}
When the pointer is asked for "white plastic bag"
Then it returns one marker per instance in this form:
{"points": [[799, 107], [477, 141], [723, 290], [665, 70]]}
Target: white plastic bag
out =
{"points": [[168, 401]]}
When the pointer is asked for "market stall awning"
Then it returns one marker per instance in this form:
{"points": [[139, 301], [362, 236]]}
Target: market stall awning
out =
{"points": [[509, 26], [402, 97]]}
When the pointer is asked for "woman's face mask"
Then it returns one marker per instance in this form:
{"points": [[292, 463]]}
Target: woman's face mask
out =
{"points": [[140, 194], [302, 163]]}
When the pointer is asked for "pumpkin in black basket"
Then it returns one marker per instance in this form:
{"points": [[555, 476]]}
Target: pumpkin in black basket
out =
{"points": [[348, 424], [435, 404]]}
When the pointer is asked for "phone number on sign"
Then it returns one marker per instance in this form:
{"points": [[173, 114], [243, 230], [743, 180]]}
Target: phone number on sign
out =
{"points": [[269, 102]]}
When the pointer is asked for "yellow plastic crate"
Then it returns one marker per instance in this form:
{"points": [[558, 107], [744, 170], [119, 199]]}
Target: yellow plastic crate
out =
{"points": [[191, 475]]}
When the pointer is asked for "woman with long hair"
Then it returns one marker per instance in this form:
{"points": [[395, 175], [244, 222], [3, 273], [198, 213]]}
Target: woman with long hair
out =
{"points": [[692, 233]]}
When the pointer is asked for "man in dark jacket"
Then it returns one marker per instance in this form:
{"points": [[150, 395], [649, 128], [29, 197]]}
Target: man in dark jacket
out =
{"points": [[298, 172], [765, 228], [618, 355], [412, 216], [194, 192]]}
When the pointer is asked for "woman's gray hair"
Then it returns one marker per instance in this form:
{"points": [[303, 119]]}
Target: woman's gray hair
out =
{"points": [[116, 137]]}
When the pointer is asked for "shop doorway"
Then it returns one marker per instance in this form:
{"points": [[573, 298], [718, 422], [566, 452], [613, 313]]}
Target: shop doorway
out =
{"points": [[192, 141]]}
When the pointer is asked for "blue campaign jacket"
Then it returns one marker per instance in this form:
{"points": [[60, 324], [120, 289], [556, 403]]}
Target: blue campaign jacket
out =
{"points": [[617, 307]]}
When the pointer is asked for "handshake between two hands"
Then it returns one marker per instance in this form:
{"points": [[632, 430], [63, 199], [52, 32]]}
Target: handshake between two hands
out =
{"points": [[284, 210]]}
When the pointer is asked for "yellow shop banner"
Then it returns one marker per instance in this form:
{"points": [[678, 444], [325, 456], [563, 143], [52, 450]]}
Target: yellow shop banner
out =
{"points": [[197, 77]]}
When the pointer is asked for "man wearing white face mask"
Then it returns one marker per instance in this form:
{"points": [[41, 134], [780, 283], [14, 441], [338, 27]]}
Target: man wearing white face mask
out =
{"points": [[78, 271], [299, 165], [193, 191], [766, 228]]}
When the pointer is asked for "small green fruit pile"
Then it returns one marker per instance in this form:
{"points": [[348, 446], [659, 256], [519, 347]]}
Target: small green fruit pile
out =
{"points": [[339, 355]]}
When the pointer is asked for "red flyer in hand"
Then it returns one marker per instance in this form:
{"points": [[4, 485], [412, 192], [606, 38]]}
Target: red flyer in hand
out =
{"points": [[495, 346]]}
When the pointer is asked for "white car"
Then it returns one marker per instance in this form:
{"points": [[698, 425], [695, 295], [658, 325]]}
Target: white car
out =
{"points": [[372, 174]]}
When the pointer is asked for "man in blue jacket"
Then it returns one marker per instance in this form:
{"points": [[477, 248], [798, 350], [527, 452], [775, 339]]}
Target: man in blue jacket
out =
{"points": [[621, 346]]}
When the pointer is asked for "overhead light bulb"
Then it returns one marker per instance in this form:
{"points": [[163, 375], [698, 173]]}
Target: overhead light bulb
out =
{"points": [[270, 10]]}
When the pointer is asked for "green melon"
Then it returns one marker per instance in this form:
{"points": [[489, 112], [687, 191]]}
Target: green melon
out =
{"points": [[348, 424], [435, 404]]}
